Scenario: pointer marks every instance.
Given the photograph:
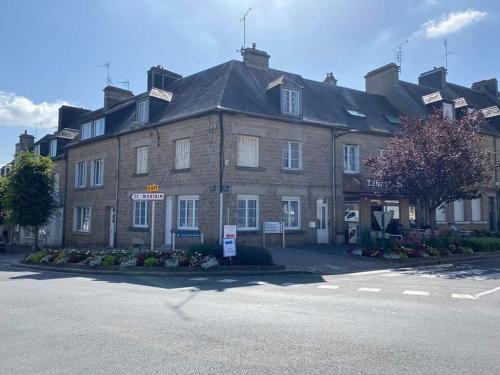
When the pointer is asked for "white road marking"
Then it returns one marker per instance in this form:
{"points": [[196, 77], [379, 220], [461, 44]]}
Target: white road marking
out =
{"points": [[462, 296], [257, 282], [189, 288], [487, 292], [227, 281], [372, 290], [199, 278], [367, 273], [391, 274], [416, 293], [328, 287], [290, 284]]}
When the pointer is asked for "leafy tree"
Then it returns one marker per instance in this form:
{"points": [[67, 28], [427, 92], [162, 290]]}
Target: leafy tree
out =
{"points": [[3, 192], [434, 160], [29, 198]]}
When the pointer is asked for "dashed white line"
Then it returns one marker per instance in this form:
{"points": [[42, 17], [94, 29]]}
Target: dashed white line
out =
{"points": [[290, 284], [328, 287], [257, 282], [416, 293], [391, 274], [462, 296], [189, 288], [227, 281], [372, 290], [199, 278]]}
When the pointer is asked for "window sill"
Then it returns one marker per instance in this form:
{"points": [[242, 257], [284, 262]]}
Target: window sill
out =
{"points": [[138, 175], [249, 231], [462, 222], [138, 229], [81, 188], [351, 173], [254, 169], [81, 233], [182, 170], [294, 230], [292, 171], [96, 187], [479, 222]]}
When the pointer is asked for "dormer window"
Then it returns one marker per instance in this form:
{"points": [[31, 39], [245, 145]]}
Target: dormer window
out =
{"points": [[355, 113], [93, 129], [448, 111], [142, 111], [290, 102], [53, 148], [490, 111]]}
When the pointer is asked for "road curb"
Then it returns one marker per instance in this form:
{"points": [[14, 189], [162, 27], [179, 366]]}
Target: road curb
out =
{"points": [[441, 260], [86, 271]]}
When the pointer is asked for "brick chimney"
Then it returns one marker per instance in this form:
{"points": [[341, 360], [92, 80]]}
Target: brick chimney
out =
{"points": [[255, 58], [114, 95], [161, 78], [382, 80], [26, 142], [330, 79], [490, 85], [435, 78]]}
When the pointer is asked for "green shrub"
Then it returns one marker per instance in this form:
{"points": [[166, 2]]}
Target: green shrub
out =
{"points": [[205, 249], [109, 260], [36, 257], [482, 243], [253, 255], [151, 262]]}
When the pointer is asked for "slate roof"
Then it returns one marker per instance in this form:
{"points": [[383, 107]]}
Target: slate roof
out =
{"points": [[237, 88]]}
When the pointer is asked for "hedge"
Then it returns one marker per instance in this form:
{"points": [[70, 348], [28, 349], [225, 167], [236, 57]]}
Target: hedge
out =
{"points": [[481, 243]]}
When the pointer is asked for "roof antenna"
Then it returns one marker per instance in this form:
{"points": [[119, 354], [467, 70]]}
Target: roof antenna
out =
{"points": [[244, 20], [37, 124], [446, 53], [398, 53], [125, 83], [108, 78]]}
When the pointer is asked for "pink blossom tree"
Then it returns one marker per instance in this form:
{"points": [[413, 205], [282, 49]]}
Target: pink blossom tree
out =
{"points": [[435, 160]]}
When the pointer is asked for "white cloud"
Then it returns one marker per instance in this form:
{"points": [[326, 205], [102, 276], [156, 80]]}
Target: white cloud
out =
{"points": [[451, 23], [16, 110]]}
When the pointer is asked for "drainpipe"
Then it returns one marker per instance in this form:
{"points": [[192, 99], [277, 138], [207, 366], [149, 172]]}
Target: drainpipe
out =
{"points": [[334, 188], [117, 180], [65, 210], [497, 193], [221, 178]]}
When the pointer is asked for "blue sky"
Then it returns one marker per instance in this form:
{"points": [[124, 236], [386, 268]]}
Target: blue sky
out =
{"points": [[51, 50]]}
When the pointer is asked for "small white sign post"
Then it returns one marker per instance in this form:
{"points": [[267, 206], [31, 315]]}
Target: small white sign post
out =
{"points": [[273, 227], [150, 197], [229, 241]]}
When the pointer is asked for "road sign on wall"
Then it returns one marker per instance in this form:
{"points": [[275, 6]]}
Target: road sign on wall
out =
{"points": [[147, 196], [273, 227]]}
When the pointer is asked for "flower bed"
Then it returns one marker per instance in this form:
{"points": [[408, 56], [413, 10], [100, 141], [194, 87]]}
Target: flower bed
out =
{"points": [[416, 245], [199, 256]]}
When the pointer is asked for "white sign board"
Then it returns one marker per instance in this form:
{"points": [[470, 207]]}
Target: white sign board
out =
{"points": [[273, 227], [383, 218], [147, 196], [229, 247], [229, 231]]}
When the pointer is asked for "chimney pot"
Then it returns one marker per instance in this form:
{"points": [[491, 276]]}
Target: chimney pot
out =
{"points": [[114, 95], [255, 58], [330, 79]]}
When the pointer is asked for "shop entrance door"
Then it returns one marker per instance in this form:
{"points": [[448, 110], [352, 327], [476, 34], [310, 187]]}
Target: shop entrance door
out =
{"points": [[322, 214]]}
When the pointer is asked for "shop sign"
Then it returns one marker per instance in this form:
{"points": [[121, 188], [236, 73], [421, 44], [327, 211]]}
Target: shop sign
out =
{"points": [[153, 188], [187, 233], [229, 231], [273, 227]]}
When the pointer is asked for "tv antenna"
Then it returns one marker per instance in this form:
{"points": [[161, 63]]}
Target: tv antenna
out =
{"points": [[244, 20], [108, 78], [446, 53], [125, 83], [37, 124], [398, 53]]}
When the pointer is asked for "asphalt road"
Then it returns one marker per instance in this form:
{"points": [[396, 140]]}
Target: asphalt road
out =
{"points": [[427, 320]]}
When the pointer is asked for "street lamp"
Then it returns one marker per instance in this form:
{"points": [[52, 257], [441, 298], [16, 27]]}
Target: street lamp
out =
{"points": [[336, 135]]}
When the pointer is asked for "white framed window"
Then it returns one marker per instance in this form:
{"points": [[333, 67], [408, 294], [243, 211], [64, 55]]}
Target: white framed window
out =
{"points": [[187, 215], [53, 148], [441, 213], [182, 153], [476, 209], [143, 111], [96, 172], [142, 154], [351, 159], [248, 151], [248, 212], [81, 219], [36, 150], [292, 155], [290, 102], [291, 212], [140, 214], [56, 186], [81, 174], [448, 111], [380, 152], [458, 208], [86, 131], [98, 127]]}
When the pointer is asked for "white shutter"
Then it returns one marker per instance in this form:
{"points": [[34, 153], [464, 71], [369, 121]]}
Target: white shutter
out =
{"points": [[76, 174], [144, 156], [458, 208], [92, 173], [182, 153], [476, 209], [75, 212], [356, 158], [248, 151]]}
